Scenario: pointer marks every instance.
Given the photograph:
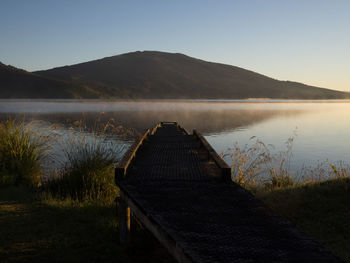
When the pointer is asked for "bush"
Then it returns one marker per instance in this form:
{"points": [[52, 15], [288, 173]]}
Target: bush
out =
{"points": [[21, 154]]}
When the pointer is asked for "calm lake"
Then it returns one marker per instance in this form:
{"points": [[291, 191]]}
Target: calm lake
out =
{"points": [[321, 128]]}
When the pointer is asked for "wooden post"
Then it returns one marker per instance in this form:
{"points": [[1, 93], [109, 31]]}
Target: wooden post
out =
{"points": [[124, 221]]}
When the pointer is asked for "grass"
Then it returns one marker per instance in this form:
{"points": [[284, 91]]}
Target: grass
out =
{"points": [[21, 154], [39, 229], [88, 172], [321, 209], [257, 169]]}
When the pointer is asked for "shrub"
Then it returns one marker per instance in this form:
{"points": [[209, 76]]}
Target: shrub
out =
{"points": [[22, 153]]}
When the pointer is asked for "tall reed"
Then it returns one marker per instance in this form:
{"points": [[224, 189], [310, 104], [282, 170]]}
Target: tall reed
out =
{"points": [[88, 167], [255, 167], [22, 152]]}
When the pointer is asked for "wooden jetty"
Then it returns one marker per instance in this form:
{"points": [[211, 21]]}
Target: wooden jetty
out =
{"points": [[181, 191]]}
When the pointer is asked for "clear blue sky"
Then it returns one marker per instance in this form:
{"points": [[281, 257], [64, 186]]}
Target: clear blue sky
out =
{"points": [[306, 41]]}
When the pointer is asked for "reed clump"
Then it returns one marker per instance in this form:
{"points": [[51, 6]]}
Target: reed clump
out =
{"points": [[87, 171], [22, 152]]}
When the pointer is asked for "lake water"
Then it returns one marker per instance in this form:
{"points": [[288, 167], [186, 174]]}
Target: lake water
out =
{"points": [[322, 127]]}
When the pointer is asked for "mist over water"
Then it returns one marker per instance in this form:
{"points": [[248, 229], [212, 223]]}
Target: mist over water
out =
{"points": [[322, 127]]}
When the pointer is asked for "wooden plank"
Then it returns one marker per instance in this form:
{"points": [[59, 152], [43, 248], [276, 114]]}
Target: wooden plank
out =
{"points": [[168, 122], [224, 167], [122, 166], [164, 238], [156, 128]]}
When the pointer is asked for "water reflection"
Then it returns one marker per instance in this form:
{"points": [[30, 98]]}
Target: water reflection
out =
{"points": [[322, 127], [209, 118]]}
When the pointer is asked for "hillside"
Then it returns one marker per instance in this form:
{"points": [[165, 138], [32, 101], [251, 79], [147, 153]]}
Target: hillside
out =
{"points": [[17, 83], [152, 74], [156, 75]]}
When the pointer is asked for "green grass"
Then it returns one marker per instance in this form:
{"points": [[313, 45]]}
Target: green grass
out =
{"points": [[321, 209], [21, 154], [38, 229]]}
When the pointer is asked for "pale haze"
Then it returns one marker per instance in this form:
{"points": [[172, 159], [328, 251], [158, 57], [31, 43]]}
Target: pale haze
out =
{"points": [[304, 41]]}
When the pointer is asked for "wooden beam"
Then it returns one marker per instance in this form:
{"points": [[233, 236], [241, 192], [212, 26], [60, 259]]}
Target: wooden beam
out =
{"points": [[182, 129], [124, 221], [122, 166], [165, 239]]}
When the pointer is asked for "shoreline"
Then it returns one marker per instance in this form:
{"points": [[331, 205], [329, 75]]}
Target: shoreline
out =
{"points": [[249, 100]]}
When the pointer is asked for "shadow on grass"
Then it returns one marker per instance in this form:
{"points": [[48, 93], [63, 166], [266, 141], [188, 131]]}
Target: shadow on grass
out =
{"points": [[34, 230]]}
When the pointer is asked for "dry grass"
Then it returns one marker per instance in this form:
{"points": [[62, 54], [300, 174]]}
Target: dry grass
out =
{"points": [[256, 168]]}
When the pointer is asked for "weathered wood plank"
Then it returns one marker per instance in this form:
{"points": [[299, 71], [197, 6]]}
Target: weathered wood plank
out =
{"points": [[122, 166]]}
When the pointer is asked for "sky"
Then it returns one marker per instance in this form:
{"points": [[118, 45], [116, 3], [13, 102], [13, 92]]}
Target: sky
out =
{"points": [[306, 41]]}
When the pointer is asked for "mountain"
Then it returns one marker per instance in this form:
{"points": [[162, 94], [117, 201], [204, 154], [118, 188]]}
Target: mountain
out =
{"points": [[153, 74], [18, 83], [158, 75]]}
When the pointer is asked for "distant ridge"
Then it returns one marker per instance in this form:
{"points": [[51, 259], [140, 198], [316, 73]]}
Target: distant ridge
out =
{"points": [[20, 84], [161, 75]]}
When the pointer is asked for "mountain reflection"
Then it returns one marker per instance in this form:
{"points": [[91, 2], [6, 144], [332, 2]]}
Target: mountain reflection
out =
{"points": [[207, 121]]}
